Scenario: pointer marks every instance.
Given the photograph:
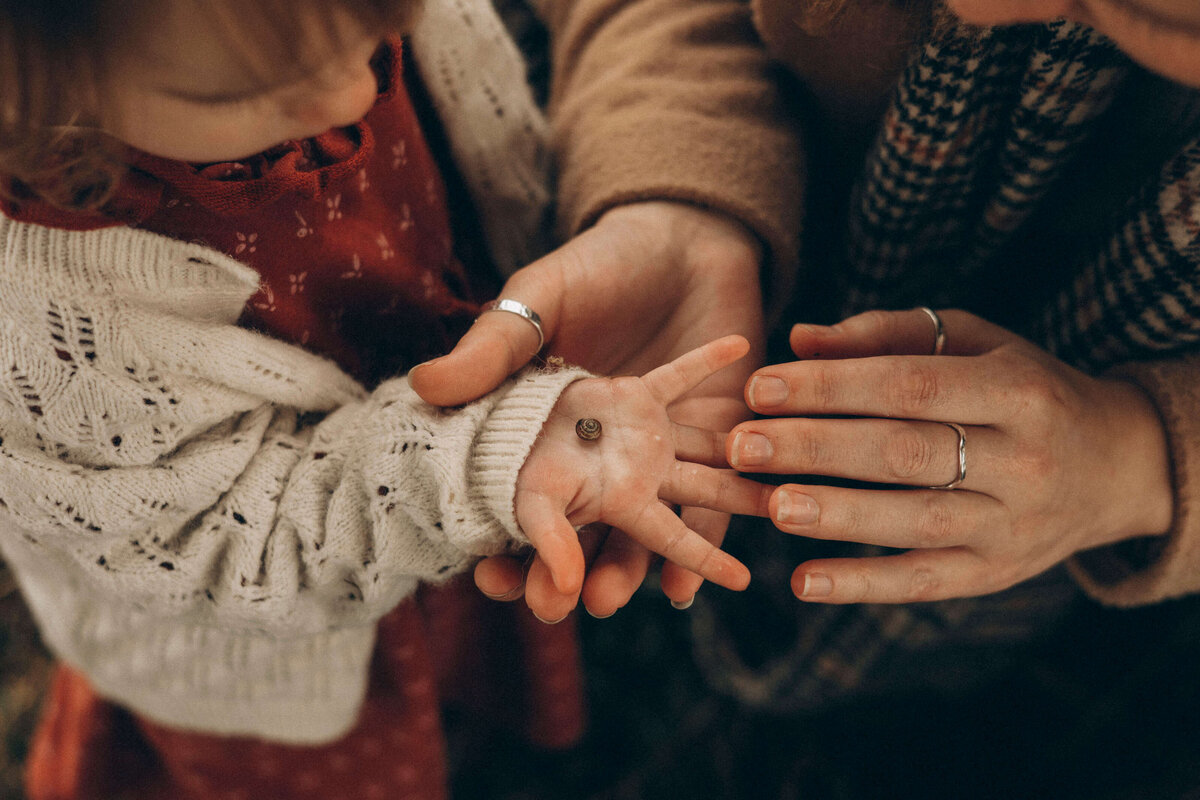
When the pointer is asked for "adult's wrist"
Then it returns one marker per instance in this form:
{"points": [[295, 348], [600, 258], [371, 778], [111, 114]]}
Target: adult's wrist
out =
{"points": [[1143, 463]]}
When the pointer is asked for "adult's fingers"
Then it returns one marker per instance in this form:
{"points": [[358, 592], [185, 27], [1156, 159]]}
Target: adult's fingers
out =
{"points": [[918, 519], [617, 572], [914, 576], [700, 445], [497, 345], [912, 332], [674, 379], [968, 390], [717, 489], [501, 577], [906, 452]]}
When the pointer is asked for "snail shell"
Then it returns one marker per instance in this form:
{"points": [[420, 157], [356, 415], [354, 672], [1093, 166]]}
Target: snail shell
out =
{"points": [[588, 429]]}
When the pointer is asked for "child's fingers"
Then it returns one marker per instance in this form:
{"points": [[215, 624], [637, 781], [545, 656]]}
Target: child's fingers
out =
{"points": [[541, 595], [912, 332], [542, 520], [699, 445], [500, 578], [674, 379], [619, 569], [690, 484], [658, 528], [679, 584]]}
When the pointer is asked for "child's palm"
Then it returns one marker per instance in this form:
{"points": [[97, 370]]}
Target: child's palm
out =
{"points": [[626, 477]]}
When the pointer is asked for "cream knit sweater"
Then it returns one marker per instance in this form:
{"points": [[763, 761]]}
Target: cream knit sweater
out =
{"points": [[206, 521]]}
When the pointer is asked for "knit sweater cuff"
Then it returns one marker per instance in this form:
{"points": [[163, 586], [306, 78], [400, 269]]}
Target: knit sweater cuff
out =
{"points": [[512, 429], [1151, 569]]}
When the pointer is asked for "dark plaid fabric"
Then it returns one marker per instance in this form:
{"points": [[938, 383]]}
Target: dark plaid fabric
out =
{"points": [[774, 653], [983, 125]]}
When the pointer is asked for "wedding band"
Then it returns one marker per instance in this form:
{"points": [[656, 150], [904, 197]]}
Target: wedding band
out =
{"points": [[588, 429], [521, 310], [962, 457], [939, 331]]}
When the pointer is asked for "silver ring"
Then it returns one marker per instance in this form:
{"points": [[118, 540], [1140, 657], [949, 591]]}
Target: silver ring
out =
{"points": [[939, 331], [962, 457], [521, 310]]}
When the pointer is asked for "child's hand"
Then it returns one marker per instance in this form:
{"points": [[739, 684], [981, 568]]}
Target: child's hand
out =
{"points": [[627, 477], [646, 283]]}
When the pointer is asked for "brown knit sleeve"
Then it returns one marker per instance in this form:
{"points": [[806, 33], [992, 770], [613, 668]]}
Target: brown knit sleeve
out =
{"points": [[1147, 570], [673, 100]]}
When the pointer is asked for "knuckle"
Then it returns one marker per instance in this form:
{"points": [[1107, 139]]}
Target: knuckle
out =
{"points": [[937, 523], [875, 323], [1035, 462], [857, 586], [1034, 394], [823, 386], [924, 584], [812, 450], [705, 565], [916, 389], [850, 521], [907, 454]]}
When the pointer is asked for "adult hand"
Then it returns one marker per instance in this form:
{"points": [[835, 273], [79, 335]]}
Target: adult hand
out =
{"points": [[1057, 461], [647, 283]]}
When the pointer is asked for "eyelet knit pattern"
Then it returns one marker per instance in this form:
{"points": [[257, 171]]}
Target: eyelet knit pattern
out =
{"points": [[206, 521]]}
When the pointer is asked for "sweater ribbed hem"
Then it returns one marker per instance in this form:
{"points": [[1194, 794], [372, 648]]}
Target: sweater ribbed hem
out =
{"points": [[303, 689], [511, 431], [1153, 569]]}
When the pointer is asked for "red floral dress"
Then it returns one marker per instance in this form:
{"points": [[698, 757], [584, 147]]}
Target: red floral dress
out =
{"points": [[351, 233]]}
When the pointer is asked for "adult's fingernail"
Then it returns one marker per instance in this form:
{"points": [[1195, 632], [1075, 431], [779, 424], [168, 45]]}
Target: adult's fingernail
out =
{"points": [[511, 594], [766, 391], [750, 449], [551, 621], [794, 508], [816, 585], [594, 615], [683, 605]]}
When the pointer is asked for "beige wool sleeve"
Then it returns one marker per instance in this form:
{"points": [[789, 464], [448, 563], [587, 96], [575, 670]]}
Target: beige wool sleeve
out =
{"points": [[201, 468], [673, 100], [206, 521], [1148, 570]]}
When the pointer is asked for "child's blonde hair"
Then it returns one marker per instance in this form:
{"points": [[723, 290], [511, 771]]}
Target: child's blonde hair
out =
{"points": [[54, 59]]}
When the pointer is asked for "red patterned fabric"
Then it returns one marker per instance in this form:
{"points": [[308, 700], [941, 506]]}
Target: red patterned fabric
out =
{"points": [[351, 234]]}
